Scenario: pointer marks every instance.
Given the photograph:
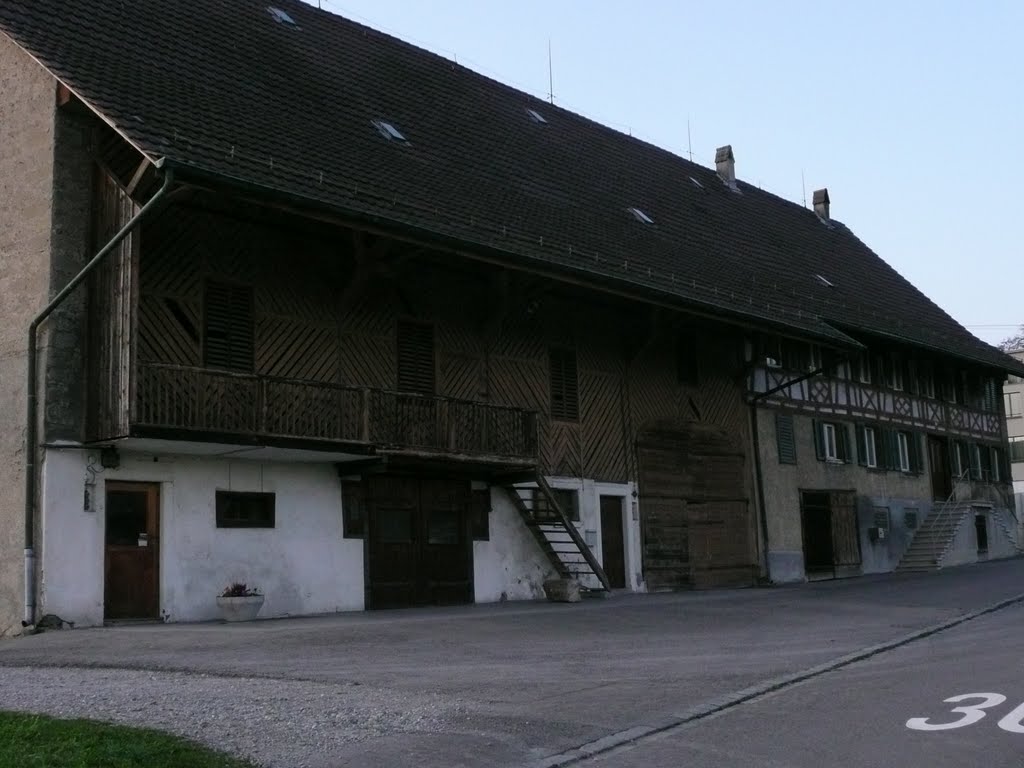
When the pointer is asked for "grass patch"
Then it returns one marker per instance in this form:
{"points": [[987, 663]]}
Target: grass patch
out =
{"points": [[35, 741]]}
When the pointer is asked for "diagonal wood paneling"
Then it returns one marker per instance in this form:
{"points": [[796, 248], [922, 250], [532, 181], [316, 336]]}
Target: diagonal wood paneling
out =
{"points": [[604, 449], [296, 351]]}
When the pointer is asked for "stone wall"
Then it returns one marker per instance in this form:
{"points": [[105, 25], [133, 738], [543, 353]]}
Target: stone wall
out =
{"points": [[27, 130]]}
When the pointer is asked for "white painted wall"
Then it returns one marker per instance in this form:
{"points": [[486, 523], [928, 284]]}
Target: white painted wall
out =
{"points": [[512, 566], [303, 565]]}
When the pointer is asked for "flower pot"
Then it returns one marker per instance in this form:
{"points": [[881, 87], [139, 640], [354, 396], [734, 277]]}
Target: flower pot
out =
{"points": [[240, 608]]}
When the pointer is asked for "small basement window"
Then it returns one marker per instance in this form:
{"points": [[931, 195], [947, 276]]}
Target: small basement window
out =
{"points": [[536, 116], [388, 131], [245, 510], [640, 216], [280, 16]]}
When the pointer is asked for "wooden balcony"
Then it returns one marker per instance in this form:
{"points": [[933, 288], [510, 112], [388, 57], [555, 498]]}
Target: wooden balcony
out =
{"points": [[222, 404]]}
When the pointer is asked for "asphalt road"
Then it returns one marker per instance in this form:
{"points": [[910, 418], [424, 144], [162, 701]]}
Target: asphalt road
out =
{"points": [[531, 684], [887, 710]]}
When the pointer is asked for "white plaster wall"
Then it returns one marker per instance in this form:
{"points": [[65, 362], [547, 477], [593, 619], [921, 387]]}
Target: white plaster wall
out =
{"points": [[964, 548], [303, 564], [512, 566]]}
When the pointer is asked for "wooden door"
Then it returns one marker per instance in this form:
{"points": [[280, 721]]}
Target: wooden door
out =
{"points": [[612, 541], [393, 541], [816, 521], [446, 552], [845, 530], [939, 467], [132, 559]]}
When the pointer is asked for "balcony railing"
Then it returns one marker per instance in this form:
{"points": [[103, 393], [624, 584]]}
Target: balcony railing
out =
{"points": [[225, 403]]}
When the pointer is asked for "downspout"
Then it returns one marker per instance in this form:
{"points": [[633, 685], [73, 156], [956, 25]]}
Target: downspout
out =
{"points": [[762, 514], [32, 409]]}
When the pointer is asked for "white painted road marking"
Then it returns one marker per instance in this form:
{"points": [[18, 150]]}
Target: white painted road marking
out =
{"points": [[1013, 722]]}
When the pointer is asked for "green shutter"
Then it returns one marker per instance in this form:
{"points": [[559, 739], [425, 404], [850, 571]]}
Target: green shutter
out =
{"points": [[843, 443], [819, 442], [862, 457], [785, 438], [975, 453], [892, 449], [914, 448]]}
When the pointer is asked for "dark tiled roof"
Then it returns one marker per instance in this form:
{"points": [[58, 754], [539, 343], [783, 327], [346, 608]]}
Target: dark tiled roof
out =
{"points": [[221, 86]]}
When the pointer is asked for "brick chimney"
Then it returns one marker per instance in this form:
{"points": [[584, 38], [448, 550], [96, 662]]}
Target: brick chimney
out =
{"points": [[821, 203]]}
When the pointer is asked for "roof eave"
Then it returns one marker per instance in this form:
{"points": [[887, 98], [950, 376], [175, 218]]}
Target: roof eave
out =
{"points": [[187, 172]]}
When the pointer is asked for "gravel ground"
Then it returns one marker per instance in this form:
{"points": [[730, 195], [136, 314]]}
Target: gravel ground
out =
{"points": [[273, 722]]}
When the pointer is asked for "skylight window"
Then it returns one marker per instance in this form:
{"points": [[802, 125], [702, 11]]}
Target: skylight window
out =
{"points": [[824, 281], [640, 216], [696, 183], [388, 131], [281, 17], [536, 116]]}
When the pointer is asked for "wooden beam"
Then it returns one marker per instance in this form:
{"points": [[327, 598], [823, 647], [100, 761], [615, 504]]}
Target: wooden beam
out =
{"points": [[140, 171], [64, 95]]}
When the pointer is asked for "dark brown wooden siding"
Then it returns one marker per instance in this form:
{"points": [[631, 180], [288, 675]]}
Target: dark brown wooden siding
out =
{"points": [[489, 345], [112, 291]]}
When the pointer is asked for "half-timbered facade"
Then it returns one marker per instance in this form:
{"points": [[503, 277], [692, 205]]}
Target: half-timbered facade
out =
{"points": [[326, 336]]}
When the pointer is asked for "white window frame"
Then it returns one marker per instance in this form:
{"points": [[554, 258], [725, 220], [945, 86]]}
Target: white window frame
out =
{"points": [[828, 442], [903, 442], [927, 378], [895, 375], [1013, 441], [1010, 412], [864, 369], [870, 448], [813, 357]]}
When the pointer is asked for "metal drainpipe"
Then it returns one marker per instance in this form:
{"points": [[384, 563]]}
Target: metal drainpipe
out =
{"points": [[32, 410]]}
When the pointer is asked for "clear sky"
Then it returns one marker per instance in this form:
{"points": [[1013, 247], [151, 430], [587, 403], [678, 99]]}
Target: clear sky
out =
{"points": [[911, 112]]}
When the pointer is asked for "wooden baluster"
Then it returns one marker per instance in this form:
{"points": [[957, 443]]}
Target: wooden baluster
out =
{"points": [[364, 415]]}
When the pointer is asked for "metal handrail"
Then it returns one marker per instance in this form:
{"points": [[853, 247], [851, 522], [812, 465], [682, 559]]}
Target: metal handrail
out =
{"points": [[946, 504]]}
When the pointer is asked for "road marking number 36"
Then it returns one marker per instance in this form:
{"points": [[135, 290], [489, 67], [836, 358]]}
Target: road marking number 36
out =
{"points": [[970, 713]]}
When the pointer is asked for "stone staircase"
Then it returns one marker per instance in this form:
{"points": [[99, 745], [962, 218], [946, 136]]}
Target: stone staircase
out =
{"points": [[1008, 528], [934, 537]]}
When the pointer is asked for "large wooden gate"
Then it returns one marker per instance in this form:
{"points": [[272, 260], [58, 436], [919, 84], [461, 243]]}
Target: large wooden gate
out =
{"points": [[419, 550], [696, 522], [831, 535]]}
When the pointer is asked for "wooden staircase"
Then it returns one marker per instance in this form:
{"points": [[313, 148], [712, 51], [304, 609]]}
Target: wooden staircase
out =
{"points": [[935, 536], [557, 535]]}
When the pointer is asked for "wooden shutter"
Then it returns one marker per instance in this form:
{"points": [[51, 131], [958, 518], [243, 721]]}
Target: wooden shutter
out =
{"points": [[843, 451], [228, 326], [416, 371], [862, 457], [974, 451], [564, 386], [785, 438], [915, 451], [890, 448], [819, 440]]}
